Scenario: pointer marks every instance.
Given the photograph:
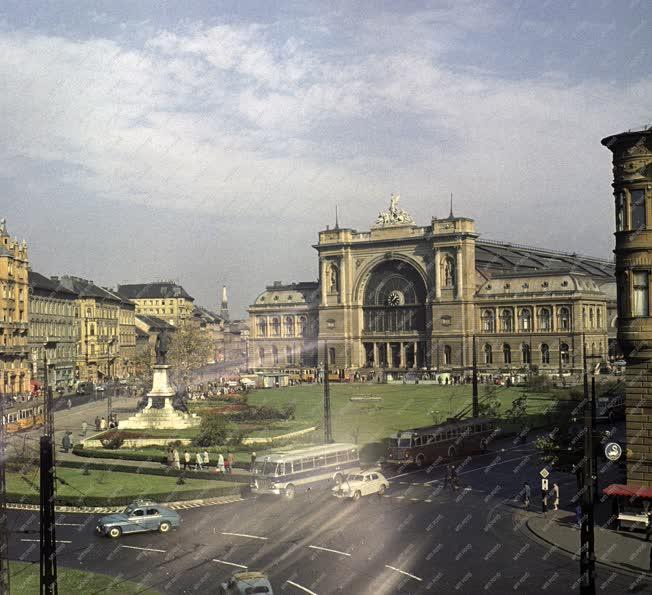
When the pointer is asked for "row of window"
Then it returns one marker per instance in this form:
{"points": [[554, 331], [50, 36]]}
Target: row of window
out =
{"points": [[290, 327], [59, 307], [637, 218], [544, 320]]}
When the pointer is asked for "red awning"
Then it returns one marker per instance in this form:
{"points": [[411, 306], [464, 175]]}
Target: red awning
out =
{"points": [[628, 491]]}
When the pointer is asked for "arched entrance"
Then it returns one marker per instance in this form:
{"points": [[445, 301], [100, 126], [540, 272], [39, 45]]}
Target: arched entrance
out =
{"points": [[394, 317]]}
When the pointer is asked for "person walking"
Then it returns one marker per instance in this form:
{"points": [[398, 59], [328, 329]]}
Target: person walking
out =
{"points": [[69, 404], [555, 496], [206, 458], [230, 459], [526, 495], [97, 423], [253, 461], [102, 425], [454, 478], [175, 458], [84, 428], [227, 465], [447, 477], [198, 461], [65, 442], [186, 460], [220, 463]]}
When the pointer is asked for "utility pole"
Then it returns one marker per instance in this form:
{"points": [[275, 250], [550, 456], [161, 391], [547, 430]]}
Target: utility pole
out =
{"points": [[48, 565], [4, 529], [476, 407], [328, 431], [587, 541]]}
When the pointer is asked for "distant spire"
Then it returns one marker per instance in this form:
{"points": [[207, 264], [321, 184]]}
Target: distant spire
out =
{"points": [[337, 223], [451, 216], [224, 311]]}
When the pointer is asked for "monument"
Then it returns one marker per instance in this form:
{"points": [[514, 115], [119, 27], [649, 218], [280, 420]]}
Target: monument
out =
{"points": [[166, 417]]}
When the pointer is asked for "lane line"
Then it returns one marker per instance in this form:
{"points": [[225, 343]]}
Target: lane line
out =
{"points": [[244, 535], [404, 474], [39, 541], [298, 586], [143, 549], [229, 563], [325, 549], [403, 572]]}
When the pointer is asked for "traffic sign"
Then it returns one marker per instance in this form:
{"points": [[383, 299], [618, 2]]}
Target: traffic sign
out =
{"points": [[613, 451], [544, 473], [544, 485]]}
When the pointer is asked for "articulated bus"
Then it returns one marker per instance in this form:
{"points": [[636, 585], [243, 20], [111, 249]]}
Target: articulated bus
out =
{"points": [[454, 438]]}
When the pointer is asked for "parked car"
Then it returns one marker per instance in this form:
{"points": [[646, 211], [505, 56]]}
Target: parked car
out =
{"points": [[139, 517], [246, 583], [100, 388], [361, 484]]}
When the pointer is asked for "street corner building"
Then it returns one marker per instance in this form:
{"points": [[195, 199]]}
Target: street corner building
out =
{"points": [[403, 298], [632, 186]]}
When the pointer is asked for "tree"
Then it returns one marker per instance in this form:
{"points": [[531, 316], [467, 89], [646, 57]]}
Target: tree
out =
{"points": [[212, 430], [191, 348], [143, 362]]}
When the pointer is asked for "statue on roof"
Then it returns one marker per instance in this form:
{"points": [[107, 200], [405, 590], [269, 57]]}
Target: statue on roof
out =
{"points": [[3, 227], [394, 215]]}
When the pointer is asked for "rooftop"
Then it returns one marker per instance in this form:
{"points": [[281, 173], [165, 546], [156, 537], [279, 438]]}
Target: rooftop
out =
{"points": [[154, 290]]}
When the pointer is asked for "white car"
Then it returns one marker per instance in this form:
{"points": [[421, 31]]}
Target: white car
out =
{"points": [[361, 484]]}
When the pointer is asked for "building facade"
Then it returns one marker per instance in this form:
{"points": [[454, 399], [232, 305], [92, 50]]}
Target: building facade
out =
{"points": [[53, 317], [99, 324], [406, 297], [163, 299], [15, 365], [632, 186]]}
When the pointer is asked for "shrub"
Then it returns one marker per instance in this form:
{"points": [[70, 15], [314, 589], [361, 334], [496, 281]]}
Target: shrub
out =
{"points": [[113, 442], [212, 431]]}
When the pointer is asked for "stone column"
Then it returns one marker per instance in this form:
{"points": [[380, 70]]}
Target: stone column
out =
{"points": [[416, 360], [437, 274], [376, 362], [324, 282], [458, 273], [402, 351], [388, 355]]}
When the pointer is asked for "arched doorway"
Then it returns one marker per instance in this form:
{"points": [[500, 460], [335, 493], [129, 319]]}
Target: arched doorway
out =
{"points": [[394, 317]]}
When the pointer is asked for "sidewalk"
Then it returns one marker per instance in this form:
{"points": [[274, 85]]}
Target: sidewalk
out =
{"points": [[625, 551]]}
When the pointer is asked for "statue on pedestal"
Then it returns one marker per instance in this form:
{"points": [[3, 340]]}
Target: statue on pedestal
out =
{"points": [[162, 347]]}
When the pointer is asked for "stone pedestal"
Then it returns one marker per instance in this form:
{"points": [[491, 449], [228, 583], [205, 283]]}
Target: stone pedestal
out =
{"points": [[161, 383]]}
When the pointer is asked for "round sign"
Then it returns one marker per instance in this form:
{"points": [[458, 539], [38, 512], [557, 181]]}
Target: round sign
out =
{"points": [[613, 451]]}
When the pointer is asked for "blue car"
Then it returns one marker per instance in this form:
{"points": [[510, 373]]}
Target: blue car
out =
{"points": [[139, 517]]}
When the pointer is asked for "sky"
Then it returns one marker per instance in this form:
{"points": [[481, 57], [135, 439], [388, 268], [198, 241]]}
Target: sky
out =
{"points": [[208, 142]]}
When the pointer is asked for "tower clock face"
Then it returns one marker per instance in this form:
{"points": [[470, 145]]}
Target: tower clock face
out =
{"points": [[395, 298]]}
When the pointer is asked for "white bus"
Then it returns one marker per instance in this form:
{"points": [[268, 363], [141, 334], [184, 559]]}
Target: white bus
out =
{"points": [[282, 472]]}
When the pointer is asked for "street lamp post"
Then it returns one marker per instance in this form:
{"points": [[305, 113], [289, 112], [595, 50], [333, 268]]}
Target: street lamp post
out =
{"points": [[476, 406], [328, 430]]}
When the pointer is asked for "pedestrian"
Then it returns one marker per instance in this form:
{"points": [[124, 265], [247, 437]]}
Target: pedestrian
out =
{"points": [[454, 478], [102, 424], [578, 515], [170, 457], [227, 464], [544, 501], [253, 461], [84, 429], [97, 423], [526, 496], [206, 458], [69, 404], [65, 442], [447, 477], [555, 496], [186, 460], [220, 463], [198, 461], [175, 457]]}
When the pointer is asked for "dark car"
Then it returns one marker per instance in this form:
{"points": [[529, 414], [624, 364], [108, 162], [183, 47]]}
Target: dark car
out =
{"points": [[246, 583], [139, 517]]}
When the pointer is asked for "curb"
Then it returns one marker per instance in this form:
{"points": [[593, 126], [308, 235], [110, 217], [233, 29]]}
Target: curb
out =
{"points": [[570, 554], [179, 505]]}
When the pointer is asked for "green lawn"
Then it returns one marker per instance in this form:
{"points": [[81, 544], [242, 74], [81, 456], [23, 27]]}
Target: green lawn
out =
{"points": [[111, 484], [402, 406], [24, 579]]}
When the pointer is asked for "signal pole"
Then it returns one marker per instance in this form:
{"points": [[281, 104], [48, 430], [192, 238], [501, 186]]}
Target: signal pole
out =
{"points": [[48, 563], [328, 430], [4, 537], [476, 407]]}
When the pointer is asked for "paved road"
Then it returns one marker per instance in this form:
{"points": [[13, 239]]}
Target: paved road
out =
{"points": [[418, 538]]}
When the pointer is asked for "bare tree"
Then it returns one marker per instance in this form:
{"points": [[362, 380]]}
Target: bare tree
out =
{"points": [[190, 350]]}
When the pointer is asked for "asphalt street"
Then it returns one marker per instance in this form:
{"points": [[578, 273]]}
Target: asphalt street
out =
{"points": [[420, 537]]}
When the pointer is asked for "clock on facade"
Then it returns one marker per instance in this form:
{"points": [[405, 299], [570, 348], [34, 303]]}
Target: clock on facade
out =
{"points": [[395, 298]]}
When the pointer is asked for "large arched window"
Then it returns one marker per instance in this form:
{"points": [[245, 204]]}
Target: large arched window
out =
{"points": [[507, 321], [584, 324], [289, 355], [448, 353], [331, 356], [544, 319], [261, 356], [488, 321], [545, 354], [525, 320], [488, 355], [564, 354], [289, 326], [447, 275], [276, 327], [262, 327], [564, 319], [598, 318], [590, 317], [526, 355], [275, 355], [303, 323], [507, 354], [394, 299]]}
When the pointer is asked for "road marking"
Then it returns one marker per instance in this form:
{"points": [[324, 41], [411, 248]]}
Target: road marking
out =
{"points": [[399, 497], [404, 474], [229, 563], [403, 572], [325, 549], [427, 500], [69, 525], [144, 549], [298, 586], [245, 535], [38, 540], [386, 496], [415, 499], [493, 465]]}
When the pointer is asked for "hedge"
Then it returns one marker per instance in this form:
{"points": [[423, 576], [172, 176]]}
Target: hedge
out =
{"points": [[161, 471]]}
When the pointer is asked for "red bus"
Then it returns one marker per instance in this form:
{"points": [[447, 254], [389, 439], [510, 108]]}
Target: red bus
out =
{"points": [[424, 446]]}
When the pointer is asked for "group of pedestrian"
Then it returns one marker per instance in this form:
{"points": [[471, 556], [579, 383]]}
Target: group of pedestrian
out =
{"points": [[526, 497], [200, 461], [102, 424], [67, 442]]}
